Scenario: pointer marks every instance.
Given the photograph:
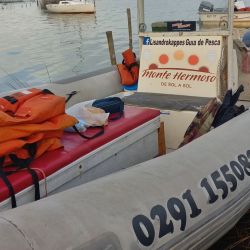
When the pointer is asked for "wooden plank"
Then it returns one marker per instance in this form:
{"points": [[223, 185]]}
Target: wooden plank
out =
{"points": [[129, 29], [111, 47], [188, 34], [161, 140]]}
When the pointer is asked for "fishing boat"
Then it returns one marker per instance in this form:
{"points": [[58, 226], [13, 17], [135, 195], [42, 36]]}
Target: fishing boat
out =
{"points": [[72, 6], [185, 199], [211, 17]]}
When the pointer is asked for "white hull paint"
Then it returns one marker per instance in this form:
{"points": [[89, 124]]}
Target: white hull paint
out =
{"points": [[170, 194], [71, 8]]}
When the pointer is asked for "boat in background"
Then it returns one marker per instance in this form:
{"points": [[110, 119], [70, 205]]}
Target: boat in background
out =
{"points": [[211, 17], [70, 6]]}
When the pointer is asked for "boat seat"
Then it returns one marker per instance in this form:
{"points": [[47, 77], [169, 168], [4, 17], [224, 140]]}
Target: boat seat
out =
{"points": [[75, 148], [177, 112]]}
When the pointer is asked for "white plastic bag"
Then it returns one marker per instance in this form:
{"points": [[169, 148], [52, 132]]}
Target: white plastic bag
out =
{"points": [[94, 116], [91, 116]]}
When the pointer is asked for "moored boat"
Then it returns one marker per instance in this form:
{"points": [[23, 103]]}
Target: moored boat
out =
{"points": [[69, 6], [186, 199], [211, 17], [219, 19]]}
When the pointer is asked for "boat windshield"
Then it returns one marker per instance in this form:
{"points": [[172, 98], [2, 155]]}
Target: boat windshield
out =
{"points": [[185, 15]]}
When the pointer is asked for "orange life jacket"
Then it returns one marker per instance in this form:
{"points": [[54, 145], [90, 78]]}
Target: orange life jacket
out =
{"points": [[40, 117], [29, 127], [38, 108], [57, 123], [126, 77], [129, 69], [45, 141], [11, 102]]}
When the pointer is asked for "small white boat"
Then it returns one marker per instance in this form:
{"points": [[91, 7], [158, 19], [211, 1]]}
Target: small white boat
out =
{"points": [[70, 6], [218, 18]]}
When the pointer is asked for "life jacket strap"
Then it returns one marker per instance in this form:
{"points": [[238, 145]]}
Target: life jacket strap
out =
{"points": [[100, 132], [130, 66], [70, 95], [7, 183], [10, 99], [35, 181], [135, 64], [25, 164]]}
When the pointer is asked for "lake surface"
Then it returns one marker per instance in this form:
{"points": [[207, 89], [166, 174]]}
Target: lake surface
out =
{"points": [[38, 47]]}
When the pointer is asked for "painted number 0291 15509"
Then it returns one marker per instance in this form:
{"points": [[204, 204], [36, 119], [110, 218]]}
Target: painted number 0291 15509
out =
{"points": [[221, 181], [144, 228], [226, 178]]}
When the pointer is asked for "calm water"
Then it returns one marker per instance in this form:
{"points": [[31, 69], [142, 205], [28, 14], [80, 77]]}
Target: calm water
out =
{"points": [[38, 47]]}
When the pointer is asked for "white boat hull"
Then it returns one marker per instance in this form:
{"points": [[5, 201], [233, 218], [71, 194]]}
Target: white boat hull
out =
{"points": [[71, 8], [218, 19], [165, 203]]}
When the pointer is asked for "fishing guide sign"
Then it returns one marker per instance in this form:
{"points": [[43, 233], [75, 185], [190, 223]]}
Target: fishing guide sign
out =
{"points": [[180, 65]]}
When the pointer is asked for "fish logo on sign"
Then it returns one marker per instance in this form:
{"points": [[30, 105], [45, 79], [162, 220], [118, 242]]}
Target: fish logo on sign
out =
{"points": [[146, 41]]}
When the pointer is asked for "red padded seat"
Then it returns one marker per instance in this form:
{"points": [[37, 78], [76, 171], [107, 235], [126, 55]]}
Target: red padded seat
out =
{"points": [[76, 147]]}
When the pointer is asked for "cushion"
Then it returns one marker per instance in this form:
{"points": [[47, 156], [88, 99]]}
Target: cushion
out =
{"points": [[76, 147]]}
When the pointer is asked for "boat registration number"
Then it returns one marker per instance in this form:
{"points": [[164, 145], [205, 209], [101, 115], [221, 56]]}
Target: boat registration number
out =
{"points": [[215, 186]]}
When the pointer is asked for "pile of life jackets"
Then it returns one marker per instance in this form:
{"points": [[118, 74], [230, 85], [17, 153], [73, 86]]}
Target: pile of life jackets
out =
{"points": [[129, 69], [31, 123]]}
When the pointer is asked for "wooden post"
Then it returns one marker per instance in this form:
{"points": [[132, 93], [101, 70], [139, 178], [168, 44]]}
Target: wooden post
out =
{"points": [[161, 140], [129, 29], [140, 20], [230, 46], [111, 47]]}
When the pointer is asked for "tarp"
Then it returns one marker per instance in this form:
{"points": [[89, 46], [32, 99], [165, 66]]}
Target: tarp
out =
{"points": [[167, 102]]}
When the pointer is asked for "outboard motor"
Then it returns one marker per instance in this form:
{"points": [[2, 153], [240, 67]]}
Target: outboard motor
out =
{"points": [[206, 6]]}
